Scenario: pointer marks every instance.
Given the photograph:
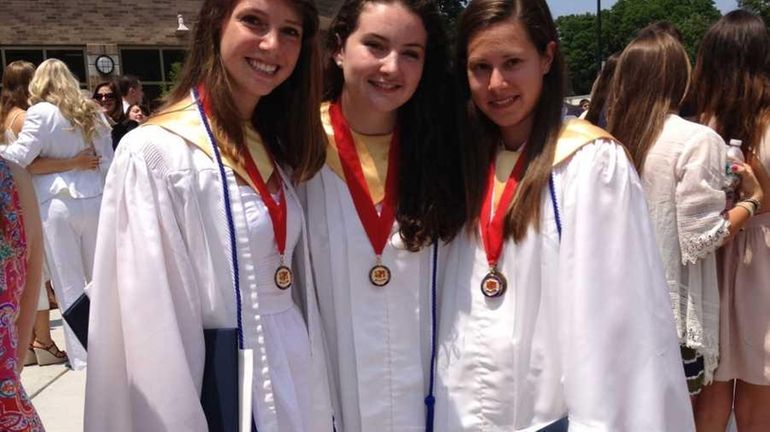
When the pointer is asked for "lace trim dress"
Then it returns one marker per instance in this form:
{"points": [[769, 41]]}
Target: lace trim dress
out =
{"points": [[684, 180], [16, 411]]}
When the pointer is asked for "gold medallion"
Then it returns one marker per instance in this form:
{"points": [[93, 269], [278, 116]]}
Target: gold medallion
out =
{"points": [[493, 284], [379, 275], [283, 277]]}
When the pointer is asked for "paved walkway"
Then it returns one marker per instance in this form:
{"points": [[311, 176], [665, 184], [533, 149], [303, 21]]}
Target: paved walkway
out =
{"points": [[57, 393]]}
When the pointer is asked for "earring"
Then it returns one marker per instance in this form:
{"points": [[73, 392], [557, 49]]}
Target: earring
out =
{"points": [[339, 63]]}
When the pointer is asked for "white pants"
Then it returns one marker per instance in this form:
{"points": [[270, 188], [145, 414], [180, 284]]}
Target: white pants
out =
{"points": [[42, 297], [69, 230]]}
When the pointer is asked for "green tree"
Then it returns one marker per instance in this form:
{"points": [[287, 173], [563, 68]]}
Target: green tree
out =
{"points": [[577, 35], [450, 10], [759, 7], [620, 24], [691, 17]]}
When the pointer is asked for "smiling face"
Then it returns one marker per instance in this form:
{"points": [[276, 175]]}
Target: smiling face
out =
{"points": [[106, 98], [135, 113], [260, 45], [382, 59], [505, 75]]}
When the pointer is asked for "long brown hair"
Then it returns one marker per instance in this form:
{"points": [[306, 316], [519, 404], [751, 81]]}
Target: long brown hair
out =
{"points": [[730, 83], [482, 135], [601, 91], [650, 82], [430, 201], [287, 118], [15, 93]]}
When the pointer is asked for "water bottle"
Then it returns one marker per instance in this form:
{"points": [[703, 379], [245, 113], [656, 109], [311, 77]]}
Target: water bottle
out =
{"points": [[734, 156]]}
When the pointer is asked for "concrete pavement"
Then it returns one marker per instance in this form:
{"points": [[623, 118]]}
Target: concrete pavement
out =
{"points": [[57, 393]]}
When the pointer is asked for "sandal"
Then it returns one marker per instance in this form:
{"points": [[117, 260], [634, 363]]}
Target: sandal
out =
{"points": [[29, 357], [52, 303], [48, 354]]}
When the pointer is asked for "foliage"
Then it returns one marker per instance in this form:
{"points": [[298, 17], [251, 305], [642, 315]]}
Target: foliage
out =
{"points": [[620, 24], [577, 35], [174, 76], [450, 10]]}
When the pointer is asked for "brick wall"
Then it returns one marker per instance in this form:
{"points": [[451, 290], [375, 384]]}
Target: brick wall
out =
{"points": [[80, 22]]}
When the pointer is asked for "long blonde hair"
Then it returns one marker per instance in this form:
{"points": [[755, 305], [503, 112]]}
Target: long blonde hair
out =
{"points": [[54, 83]]}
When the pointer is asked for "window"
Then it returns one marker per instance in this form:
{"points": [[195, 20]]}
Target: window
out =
{"points": [[74, 58], [154, 67]]}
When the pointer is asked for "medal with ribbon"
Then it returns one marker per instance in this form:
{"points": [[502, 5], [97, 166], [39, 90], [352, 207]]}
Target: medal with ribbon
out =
{"points": [[276, 208], [377, 226], [492, 226]]}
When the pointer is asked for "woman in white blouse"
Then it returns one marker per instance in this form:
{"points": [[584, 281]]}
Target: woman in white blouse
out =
{"points": [[683, 170], [59, 126], [199, 226]]}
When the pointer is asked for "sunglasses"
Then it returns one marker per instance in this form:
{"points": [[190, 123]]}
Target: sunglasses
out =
{"points": [[104, 96]]}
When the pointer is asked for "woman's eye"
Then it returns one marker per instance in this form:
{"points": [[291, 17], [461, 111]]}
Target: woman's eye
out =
{"points": [[416, 55], [478, 67], [512, 62], [374, 46], [292, 32], [253, 20]]}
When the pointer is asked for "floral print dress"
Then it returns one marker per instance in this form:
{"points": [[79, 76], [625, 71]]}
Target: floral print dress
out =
{"points": [[16, 411]]}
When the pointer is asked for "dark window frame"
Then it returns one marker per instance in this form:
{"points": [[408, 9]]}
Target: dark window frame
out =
{"points": [[165, 81], [83, 81]]}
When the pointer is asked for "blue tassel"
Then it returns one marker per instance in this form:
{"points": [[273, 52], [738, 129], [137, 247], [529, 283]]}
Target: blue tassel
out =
{"points": [[430, 401]]}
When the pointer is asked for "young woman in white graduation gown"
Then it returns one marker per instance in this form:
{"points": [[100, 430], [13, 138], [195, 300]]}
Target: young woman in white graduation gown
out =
{"points": [[250, 89], [388, 189], [554, 312]]}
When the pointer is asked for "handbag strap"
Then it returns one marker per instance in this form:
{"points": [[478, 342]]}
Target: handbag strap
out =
{"points": [[228, 213], [430, 399]]}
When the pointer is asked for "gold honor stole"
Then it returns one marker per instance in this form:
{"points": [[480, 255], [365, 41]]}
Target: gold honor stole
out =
{"points": [[183, 119], [372, 152], [573, 136]]}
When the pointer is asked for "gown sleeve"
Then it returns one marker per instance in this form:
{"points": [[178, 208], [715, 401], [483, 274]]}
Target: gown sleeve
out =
{"points": [[622, 370], [700, 200], [33, 136], [146, 345]]}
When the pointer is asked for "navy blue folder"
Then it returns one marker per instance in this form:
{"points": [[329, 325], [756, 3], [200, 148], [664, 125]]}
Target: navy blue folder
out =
{"points": [[76, 317], [219, 393]]}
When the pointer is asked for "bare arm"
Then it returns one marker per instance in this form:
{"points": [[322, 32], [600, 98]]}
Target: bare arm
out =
{"points": [[18, 122], [85, 160], [763, 178], [34, 235]]}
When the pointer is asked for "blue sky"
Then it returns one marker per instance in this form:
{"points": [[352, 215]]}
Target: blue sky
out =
{"points": [[566, 7]]}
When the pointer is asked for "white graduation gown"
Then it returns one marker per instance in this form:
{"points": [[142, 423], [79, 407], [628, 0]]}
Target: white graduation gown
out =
{"points": [[378, 338], [163, 274], [585, 328]]}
